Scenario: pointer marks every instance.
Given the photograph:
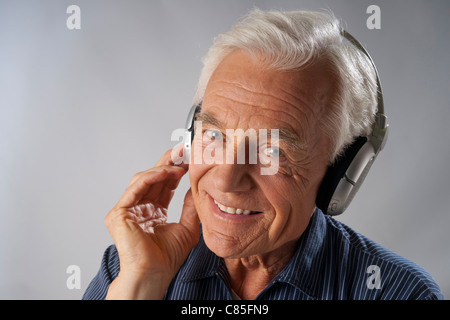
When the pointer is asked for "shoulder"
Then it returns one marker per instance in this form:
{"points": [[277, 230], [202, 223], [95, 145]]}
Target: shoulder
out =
{"points": [[109, 269], [375, 272]]}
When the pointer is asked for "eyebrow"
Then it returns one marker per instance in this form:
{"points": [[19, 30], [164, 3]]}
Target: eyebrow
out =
{"points": [[286, 136], [289, 138], [208, 118]]}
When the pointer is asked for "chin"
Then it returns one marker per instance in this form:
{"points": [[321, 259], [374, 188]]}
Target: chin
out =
{"points": [[225, 246]]}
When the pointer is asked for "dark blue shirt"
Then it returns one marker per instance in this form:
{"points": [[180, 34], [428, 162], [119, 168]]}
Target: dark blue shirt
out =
{"points": [[331, 262]]}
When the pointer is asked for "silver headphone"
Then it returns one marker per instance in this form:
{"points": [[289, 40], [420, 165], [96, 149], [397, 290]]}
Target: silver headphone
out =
{"points": [[344, 178], [346, 175]]}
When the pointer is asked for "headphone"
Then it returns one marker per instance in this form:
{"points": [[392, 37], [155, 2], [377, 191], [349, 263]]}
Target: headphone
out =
{"points": [[346, 175]]}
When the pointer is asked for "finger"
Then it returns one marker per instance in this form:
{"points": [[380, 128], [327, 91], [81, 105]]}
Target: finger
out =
{"points": [[173, 154], [141, 187], [139, 175], [170, 184], [162, 192], [166, 159], [165, 197]]}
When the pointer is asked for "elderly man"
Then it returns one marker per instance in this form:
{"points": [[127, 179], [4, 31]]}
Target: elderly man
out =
{"points": [[247, 235]]}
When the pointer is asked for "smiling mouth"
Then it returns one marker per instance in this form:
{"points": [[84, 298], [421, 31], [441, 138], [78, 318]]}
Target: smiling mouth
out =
{"points": [[231, 210]]}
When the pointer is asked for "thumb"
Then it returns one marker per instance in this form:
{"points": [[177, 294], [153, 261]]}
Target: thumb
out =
{"points": [[189, 217]]}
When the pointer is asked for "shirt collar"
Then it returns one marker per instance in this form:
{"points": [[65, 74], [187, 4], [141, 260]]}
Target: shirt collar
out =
{"points": [[203, 263]]}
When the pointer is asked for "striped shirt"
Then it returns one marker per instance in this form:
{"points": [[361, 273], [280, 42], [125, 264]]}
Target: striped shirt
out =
{"points": [[331, 261]]}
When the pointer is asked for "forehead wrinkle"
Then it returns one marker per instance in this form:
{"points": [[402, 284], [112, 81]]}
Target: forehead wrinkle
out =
{"points": [[261, 108], [300, 105], [302, 100], [313, 107], [296, 98]]}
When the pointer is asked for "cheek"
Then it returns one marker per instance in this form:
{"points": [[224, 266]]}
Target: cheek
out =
{"points": [[196, 172], [197, 167], [198, 180], [292, 204]]}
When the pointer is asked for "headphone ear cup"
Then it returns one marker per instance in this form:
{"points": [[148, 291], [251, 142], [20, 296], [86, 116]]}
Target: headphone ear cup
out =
{"points": [[344, 177], [365, 161]]}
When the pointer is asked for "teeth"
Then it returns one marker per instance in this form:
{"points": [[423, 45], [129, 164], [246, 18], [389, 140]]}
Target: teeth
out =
{"points": [[231, 210]]}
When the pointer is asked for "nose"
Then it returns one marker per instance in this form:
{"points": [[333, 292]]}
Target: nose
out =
{"points": [[233, 178], [234, 174]]}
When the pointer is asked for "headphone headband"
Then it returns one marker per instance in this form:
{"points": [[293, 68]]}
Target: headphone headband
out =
{"points": [[380, 126]]}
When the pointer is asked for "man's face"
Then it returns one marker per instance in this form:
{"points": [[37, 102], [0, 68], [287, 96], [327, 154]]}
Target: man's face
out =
{"points": [[242, 94]]}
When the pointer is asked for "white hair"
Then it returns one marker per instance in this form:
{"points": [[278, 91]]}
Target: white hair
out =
{"points": [[293, 40]]}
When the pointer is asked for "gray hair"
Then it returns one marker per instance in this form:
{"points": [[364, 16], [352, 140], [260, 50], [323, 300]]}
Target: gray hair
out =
{"points": [[292, 41]]}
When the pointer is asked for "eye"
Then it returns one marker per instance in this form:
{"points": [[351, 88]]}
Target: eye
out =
{"points": [[213, 135], [273, 151]]}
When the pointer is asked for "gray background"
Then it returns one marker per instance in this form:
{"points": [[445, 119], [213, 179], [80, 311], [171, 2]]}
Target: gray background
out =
{"points": [[81, 111]]}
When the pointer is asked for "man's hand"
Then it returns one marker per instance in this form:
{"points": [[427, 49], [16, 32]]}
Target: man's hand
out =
{"points": [[150, 250]]}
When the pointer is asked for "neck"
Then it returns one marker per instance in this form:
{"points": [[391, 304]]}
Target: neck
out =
{"points": [[250, 275]]}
